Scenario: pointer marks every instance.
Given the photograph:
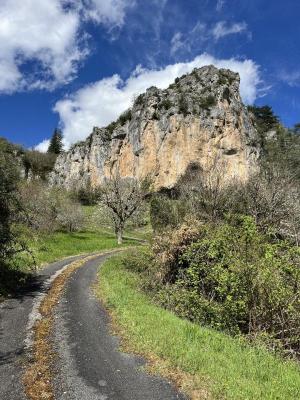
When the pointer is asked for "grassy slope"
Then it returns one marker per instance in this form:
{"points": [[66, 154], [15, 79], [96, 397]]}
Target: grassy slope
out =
{"points": [[215, 366]]}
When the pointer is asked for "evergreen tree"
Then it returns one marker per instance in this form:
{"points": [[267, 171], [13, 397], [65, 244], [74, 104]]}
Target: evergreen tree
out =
{"points": [[297, 129], [56, 145], [265, 118]]}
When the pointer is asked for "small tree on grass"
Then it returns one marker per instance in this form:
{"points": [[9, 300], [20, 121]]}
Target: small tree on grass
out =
{"points": [[122, 197]]}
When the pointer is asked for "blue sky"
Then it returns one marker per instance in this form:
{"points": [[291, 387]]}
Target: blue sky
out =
{"points": [[79, 63]]}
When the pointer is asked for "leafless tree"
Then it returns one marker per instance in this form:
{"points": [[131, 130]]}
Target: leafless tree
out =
{"points": [[122, 197], [272, 197], [69, 214], [205, 193], [49, 209]]}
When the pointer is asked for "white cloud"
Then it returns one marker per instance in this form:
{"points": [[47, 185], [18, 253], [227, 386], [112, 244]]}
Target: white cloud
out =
{"points": [[292, 78], [202, 33], [99, 103], [43, 146], [222, 29], [109, 12], [42, 43], [177, 43], [42, 31]]}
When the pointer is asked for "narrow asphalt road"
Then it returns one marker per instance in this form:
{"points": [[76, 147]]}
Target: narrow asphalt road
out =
{"points": [[14, 314], [89, 363], [91, 366]]}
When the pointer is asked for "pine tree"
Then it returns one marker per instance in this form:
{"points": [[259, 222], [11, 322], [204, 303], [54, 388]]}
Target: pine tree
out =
{"points": [[56, 145], [266, 120]]}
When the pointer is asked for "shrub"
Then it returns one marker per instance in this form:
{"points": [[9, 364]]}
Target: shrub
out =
{"points": [[183, 105], [207, 102], [222, 79], [165, 212], [111, 127], [69, 215], [123, 118], [165, 104], [35, 198], [12, 239], [37, 164], [87, 196], [49, 209], [232, 278], [140, 99]]}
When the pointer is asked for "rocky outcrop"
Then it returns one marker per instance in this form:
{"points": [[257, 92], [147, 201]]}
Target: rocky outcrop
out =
{"points": [[199, 120]]}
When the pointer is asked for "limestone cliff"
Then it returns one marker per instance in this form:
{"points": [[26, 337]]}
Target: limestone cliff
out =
{"points": [[199, 119]]}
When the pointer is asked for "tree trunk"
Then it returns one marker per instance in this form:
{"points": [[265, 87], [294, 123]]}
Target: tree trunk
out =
{"points": [[120, 236]]}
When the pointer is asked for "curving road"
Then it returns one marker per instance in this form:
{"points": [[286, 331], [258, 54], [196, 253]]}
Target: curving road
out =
{"points": [[89, 364]]}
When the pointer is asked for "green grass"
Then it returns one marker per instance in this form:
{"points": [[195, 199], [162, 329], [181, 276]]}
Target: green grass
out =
{"points": [[54, 247], [213, 363], [59, 245]]}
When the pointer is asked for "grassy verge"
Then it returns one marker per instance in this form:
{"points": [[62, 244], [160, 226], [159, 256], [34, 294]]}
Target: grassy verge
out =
{"points": [[206, 364]]}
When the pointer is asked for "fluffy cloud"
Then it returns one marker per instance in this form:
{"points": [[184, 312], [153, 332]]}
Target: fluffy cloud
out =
{"points": [[42, 42], [42, 31], [101, 102], [222, 29], [43, 146]]}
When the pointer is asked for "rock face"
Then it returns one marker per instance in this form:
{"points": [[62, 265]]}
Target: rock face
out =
{"points": [[199, 120]]}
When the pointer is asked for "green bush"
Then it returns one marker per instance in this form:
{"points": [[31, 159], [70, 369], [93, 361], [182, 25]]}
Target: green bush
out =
{"points": [[12, 240], [229, 277], [123, 118], [207, 102], [111, 127], [165, 104], [165, 212], [37, 164], [87, 196], [183, 106]]}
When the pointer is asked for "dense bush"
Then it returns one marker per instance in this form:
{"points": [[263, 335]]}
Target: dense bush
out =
{"points": [[37, 164], [11, 239], [165, 212], [230, 277], [207, 102], [9, 204], [87, 196]]}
